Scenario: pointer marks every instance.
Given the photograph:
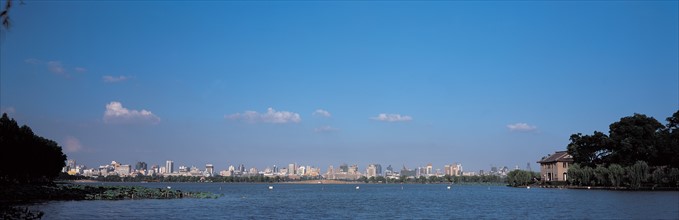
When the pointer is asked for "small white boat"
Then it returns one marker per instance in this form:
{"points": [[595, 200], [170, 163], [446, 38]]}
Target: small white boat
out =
{"points": [[270, 187], [358, 187], [448, 187]]}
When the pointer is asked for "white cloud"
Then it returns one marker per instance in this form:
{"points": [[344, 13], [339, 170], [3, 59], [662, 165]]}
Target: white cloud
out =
{"points": [[392, 117], [117, 114], [56, 67], [521, 127], [271, 116], [80, 69], [72, 144], [322, 113], [114, 79], [326, 128]]}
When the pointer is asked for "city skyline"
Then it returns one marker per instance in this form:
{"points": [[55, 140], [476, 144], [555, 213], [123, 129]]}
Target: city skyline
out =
{"points": [[264, 83], [293, 170]]}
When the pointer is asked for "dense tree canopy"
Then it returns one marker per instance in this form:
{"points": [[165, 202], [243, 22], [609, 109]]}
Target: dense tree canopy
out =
{"points": [[633, 138], [26, 157]]}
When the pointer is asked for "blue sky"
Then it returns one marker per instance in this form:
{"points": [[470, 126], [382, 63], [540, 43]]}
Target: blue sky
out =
{"points": [[400, 83]]}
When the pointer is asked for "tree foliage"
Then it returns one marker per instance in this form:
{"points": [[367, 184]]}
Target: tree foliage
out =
{"points": [[601, 174], [521, 177], [616, 173], [631, 139], [589, 150], [26, 157], [637, 174], [635, 138]]}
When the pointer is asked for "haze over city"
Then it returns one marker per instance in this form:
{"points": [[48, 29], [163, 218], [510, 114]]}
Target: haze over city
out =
{"points": [[328, 83]]}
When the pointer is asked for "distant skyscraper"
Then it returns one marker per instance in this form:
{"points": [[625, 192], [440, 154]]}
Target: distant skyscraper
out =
{"points": [[408, 173], [344, 168], [169, 166], [209, 169], [371, 171], [241, 168], [156, 168], [378, 167], [390, 169], [353, 169], [429, 170], [140, 166], [292, 168]]}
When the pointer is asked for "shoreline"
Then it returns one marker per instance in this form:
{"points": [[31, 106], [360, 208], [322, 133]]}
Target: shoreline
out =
{"points": [[608, 188]]}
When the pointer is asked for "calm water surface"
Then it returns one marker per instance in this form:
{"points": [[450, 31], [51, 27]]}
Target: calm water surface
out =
{"points": [[371, 201]]}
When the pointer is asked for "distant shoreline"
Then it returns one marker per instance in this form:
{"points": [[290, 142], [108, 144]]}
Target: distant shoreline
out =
{"points": [[602, 188]]}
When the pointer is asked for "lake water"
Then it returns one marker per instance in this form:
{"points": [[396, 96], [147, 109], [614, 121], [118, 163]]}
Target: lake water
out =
{"points": [[372, 201]]}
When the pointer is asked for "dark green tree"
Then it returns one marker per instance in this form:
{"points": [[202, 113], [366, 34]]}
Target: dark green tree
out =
{"points": [[668, 149], [589, 150], [26, 157], [635, 138]]}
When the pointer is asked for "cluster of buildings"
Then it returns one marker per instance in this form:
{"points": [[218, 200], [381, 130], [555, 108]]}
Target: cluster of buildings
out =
{"points": [[141, 168], [553, 167], [346, 172], [291, 171]]}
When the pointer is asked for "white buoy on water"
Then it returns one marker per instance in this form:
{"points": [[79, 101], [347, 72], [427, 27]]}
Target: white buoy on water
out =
{"points": [[168, 187], [527, 187], [358, 187], [589, 187], [448, 187], [270, 187]]}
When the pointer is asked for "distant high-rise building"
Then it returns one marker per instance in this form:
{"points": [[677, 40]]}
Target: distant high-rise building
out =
{"points": [[209, 169], [140, 166], [156, 168], [292, 168], [371, 171], [378, 168], [528, 167], [353, 169], [389, 169], [169, 166], [429, 170], [344, 168], [241, 168], [123, 170], [275, 169], [408, 173]]}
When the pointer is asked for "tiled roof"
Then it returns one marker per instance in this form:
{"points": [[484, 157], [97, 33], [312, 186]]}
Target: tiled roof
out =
{"points": [[559, 156]]}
